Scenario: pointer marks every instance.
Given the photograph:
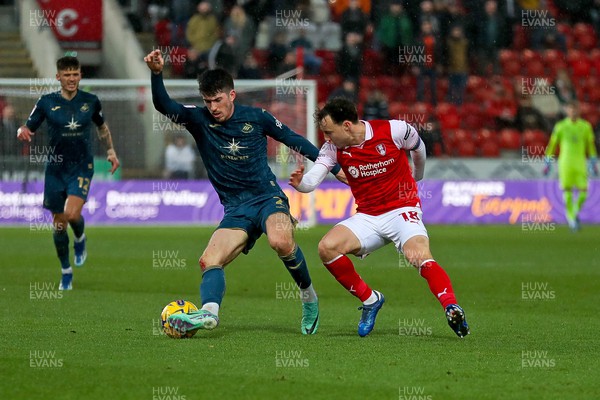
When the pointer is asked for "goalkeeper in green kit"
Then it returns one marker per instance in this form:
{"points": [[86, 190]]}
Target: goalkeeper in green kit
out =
{"points": [[575, 138]]}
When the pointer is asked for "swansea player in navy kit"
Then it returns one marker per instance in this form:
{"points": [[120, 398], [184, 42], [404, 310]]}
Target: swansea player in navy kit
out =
{"points": [[232, 140], [70, 115]]}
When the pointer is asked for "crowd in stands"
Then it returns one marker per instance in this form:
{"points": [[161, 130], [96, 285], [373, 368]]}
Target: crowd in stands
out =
{"points": [[454, 67]]}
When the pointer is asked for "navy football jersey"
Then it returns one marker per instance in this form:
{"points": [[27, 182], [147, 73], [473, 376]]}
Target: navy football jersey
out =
{"points": [[235, 151], [70, 124]]}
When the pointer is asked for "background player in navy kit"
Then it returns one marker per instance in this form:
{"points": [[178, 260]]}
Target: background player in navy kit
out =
{"points": [[70, 114], [232, 141]]}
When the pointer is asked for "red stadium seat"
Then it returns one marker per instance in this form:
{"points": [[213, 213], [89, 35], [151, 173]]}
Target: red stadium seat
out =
{"points": [[372, 62], [534, 141], [584, 36], [399, 110], [422, 108], [511, 68], [490, 149], [510, 139], [528, 56], [486, 136], [466, 149], [447, 115], [535, 68], [579, 63]]}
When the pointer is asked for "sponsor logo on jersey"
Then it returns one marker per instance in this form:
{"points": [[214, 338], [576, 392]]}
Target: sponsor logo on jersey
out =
{"points": [[353, 171], [72, 125], [55, 108], [370, 169], [247, 128], [380, 149], [214, 125]]}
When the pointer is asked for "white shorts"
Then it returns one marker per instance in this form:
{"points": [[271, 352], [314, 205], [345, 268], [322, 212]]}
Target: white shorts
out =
{"points": [[395, 226]]}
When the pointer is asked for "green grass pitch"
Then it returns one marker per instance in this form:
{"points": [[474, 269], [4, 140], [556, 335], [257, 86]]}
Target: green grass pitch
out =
{"points": [[531, 298]]}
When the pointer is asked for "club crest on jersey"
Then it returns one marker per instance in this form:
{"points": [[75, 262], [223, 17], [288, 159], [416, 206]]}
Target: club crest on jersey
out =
{"points": [[353, 171], [84, 108], [247, 128], [380, 149]]}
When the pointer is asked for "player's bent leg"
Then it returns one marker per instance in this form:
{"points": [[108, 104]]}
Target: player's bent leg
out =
{"points": [[223, 247], [280, 234], [333, 248], [416, 249], [73, 207]]}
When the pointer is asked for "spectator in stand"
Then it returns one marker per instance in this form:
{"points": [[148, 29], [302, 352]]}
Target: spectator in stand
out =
{"points": [[394, 33], [223, 55], [179, 159], [432, 137], [545, 35], [312, 62], [289, 63], [490, 33], [428, 67], [376, 106], [8, 132], [458, 64], [250, 68], [529, 117], [353, 19], [347, 90], [202, 29], [563, 87], [339, 6], [428, 14], [181, 12], [242, 27], [349, 58], [277, 51]]}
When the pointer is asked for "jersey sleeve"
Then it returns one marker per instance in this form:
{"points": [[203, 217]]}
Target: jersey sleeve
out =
{"points": [[554, 138], [327, 155], [98, 117], [282, 133], [404, 135], [591, 146], [175, 111], [37, 116]]}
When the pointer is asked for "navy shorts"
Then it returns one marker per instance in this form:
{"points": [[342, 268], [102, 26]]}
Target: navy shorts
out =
{"points": [[252, 216], [66, 180]]}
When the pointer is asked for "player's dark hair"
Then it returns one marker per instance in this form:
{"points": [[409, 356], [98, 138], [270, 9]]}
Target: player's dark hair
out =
{"points": [[66, 63], [339, 109], [214, 81]]}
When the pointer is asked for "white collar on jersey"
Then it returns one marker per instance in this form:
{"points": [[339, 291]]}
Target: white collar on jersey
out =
{"points": [[368, 133]]}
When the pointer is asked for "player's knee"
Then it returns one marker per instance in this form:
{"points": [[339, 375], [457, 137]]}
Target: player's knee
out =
{"points": [[329, 249], [72, 216], [282, 246], [60, 223], [417, 253], [206, 266]]}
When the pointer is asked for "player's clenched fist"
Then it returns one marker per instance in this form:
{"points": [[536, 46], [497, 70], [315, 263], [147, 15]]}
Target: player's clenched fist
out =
{"points": [[154, 60], [24, 134]]}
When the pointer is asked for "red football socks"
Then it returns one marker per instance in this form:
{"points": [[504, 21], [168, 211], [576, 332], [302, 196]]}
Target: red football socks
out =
{"points": [[438, 281], [343, 271]]}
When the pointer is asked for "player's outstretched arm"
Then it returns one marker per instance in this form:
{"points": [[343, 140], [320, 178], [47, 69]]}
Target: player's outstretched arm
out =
{"points": [[106, 138], [176, 112], [310, 181], [24, 134]]}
